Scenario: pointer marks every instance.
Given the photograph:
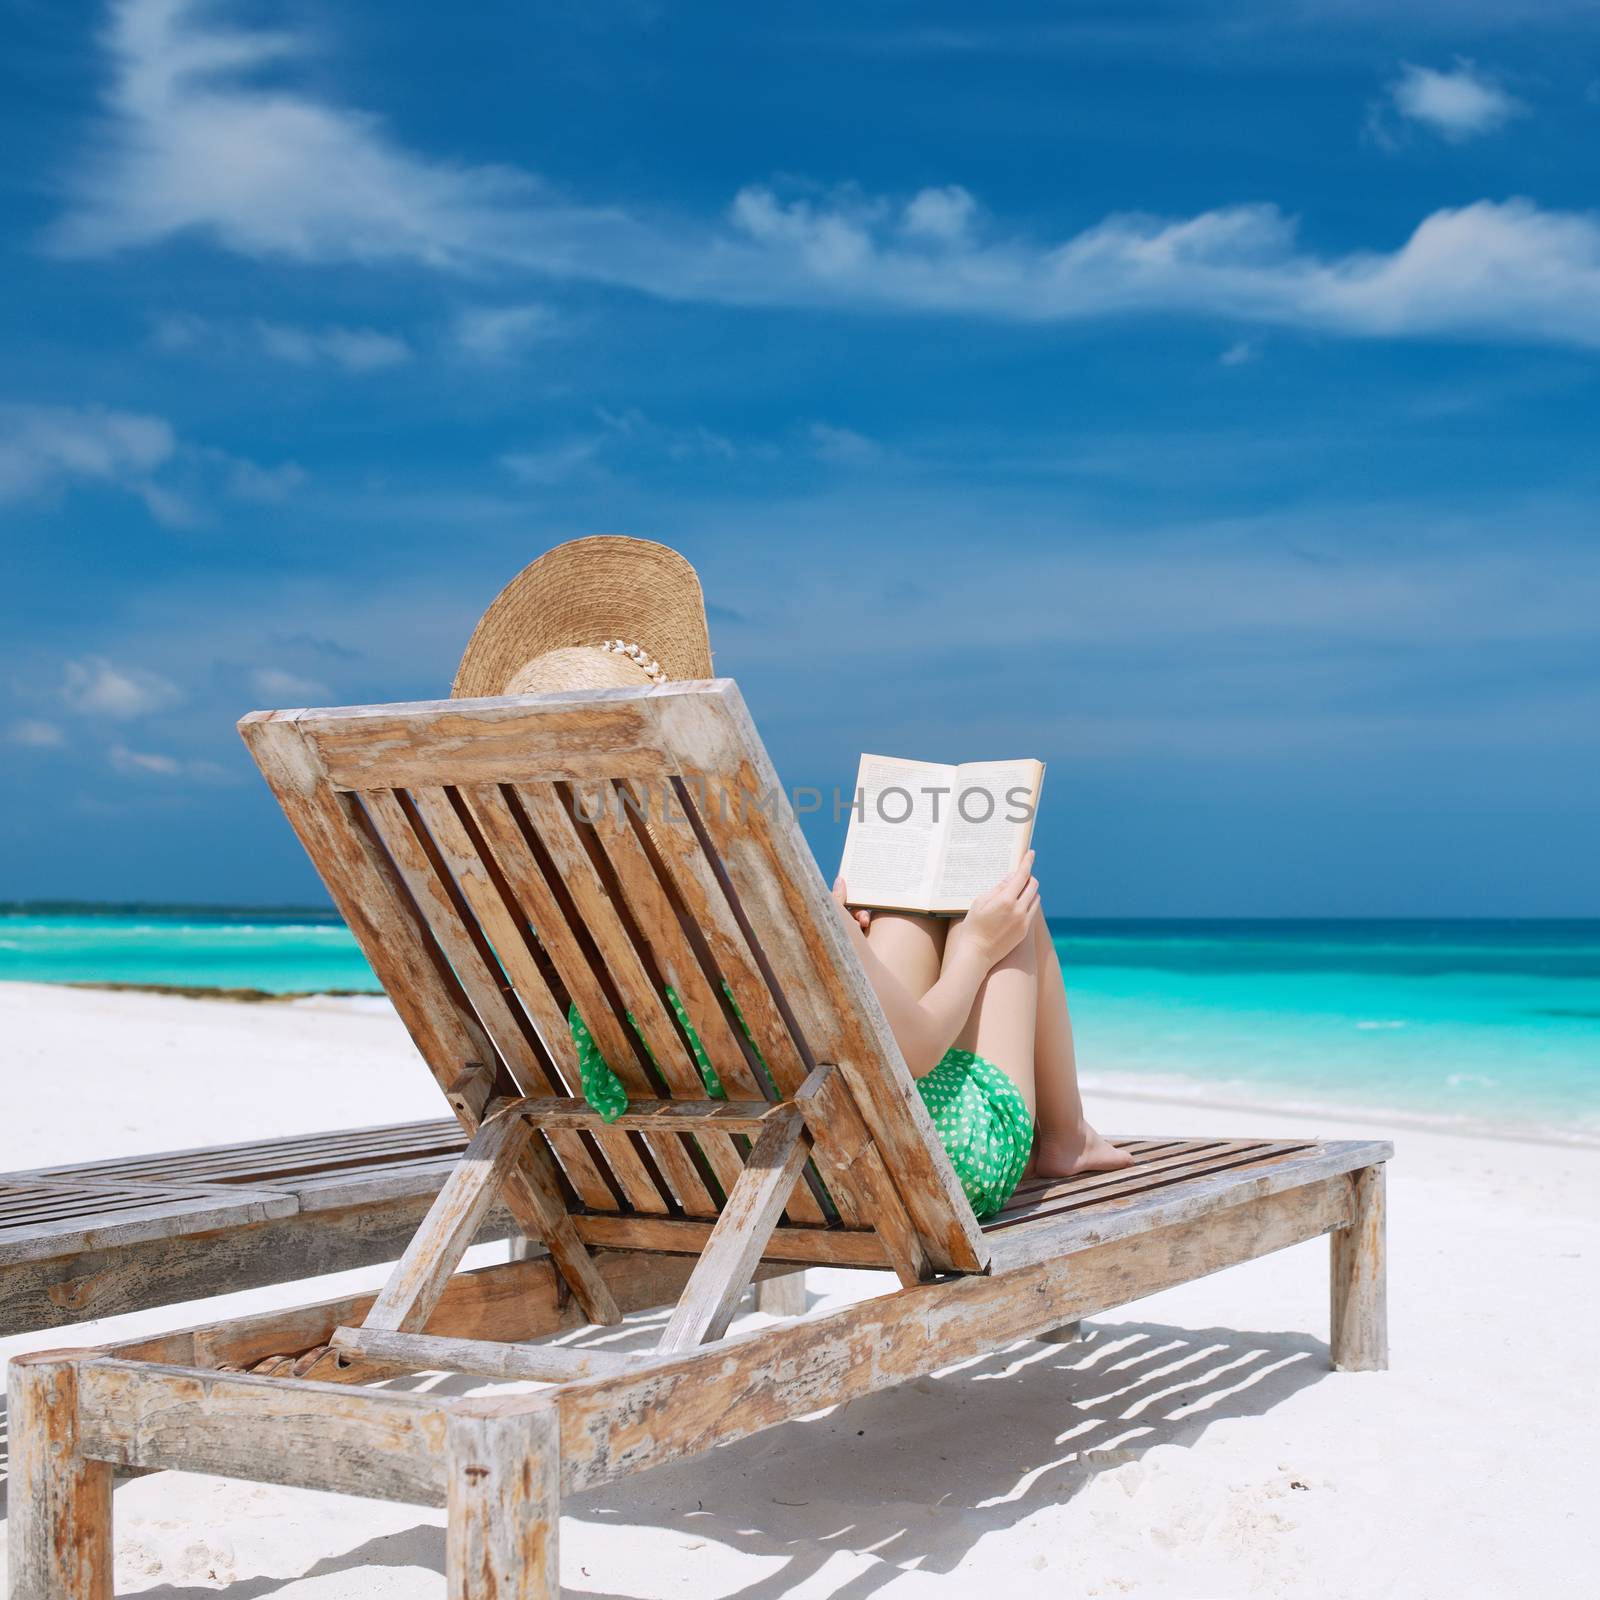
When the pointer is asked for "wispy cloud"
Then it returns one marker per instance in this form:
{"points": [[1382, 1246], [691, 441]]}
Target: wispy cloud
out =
{"points": [[94, 687], [35, 734], [286, 685], [1458, 104], [357, 350], [498, 333], [47, 449], [44, 448], [132, 763], [1240, 353], [843, 446], [197, 144]]}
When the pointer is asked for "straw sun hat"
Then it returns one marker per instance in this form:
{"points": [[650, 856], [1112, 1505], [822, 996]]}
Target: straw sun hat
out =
{"points": [[596, 613]]}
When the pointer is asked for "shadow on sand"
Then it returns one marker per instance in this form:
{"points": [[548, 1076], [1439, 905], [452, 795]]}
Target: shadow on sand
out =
{"points": [[949, 1460]]}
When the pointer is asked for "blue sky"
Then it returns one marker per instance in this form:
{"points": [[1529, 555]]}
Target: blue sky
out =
{"points": [[1202, 398]]}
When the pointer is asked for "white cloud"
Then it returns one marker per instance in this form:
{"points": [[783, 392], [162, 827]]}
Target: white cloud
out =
{"points": [[497, 333], [1240, 353], [197, 144], [249, 480], [355, 350], [274, 681], [842, 445], [553, 463], [153, 763], [940, 213], [94, 687], [1459, 104], [36, 734], [44, 447]]}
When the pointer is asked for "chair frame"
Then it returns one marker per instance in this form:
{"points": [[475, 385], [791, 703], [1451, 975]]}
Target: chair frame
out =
{"points": [[447, 832]]}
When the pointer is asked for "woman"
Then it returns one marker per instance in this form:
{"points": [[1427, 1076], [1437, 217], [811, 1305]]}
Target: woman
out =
{"points": [[978, 1007], [976, 1003]]}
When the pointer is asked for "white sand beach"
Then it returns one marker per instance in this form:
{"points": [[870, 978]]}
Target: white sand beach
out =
{"points": [[1193, 1447]]}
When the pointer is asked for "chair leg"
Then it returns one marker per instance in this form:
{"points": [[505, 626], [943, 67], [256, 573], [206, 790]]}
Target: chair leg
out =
{"points": [[1359, 1297], [59, 1503], [503, 1504], [783, 1296]]}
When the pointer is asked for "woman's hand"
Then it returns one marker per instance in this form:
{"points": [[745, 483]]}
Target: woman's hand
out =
{"points": [[1000, 918], [860, 915]]}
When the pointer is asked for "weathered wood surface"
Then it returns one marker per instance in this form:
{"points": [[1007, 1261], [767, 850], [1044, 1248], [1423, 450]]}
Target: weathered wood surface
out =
{"points": [[276, 1163], [797, 939], [512, 1300], [503, 1500], [680, 1407], [512, 950], [41, 1219], [59, 1501], [783, 1296], [408, 1298], [95, 1239], [1358, 1279], [722, 1274], [482, 1358], [817, 1247], [379, 1443], [658, 1116], [504, 740], [1129, 1207], [82, 1285]]}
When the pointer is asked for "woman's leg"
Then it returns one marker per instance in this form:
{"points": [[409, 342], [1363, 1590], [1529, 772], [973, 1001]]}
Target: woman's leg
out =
{"points": [[1003, 1021], [1066, 1144], [910, 945]]}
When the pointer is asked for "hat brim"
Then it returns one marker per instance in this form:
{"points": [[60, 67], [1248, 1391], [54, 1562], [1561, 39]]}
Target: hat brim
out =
{"points": [[585, 592]]}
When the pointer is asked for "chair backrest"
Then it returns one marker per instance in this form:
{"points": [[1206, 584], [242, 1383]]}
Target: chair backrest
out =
{"points": [[502, 861]]}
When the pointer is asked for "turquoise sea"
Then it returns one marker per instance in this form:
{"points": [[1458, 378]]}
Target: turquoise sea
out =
{"points": [[1492, 1026]]}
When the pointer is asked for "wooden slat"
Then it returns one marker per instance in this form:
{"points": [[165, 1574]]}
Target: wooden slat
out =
{"points": [[506, 935], [482, 741], [801, 941], [268, 1158], [408, 1298], [501, 828], [817, 1247], [546, 811], [481, 1358], [658, 1116], [1131, 1183], [857, 1177], [681, 857], [723, 1271], [1053, 1236], [679, 966], [373, 899], [478, 973]]}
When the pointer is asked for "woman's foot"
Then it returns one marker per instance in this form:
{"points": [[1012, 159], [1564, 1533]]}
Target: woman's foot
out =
{"points": [[1083, 1150]]}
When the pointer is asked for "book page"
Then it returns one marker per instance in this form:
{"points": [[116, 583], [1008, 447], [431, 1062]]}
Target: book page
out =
{"points": [[990, 823], [893, 842]]}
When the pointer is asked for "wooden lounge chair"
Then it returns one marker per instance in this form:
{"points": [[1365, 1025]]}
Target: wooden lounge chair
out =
{"points": [[99, 1238], [465, 844]]}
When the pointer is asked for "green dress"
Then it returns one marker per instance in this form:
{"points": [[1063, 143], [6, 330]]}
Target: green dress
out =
{"points": [[982, 1121]]}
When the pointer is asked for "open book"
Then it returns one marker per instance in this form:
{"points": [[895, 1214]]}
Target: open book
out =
{"points": [[927, 837]]}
